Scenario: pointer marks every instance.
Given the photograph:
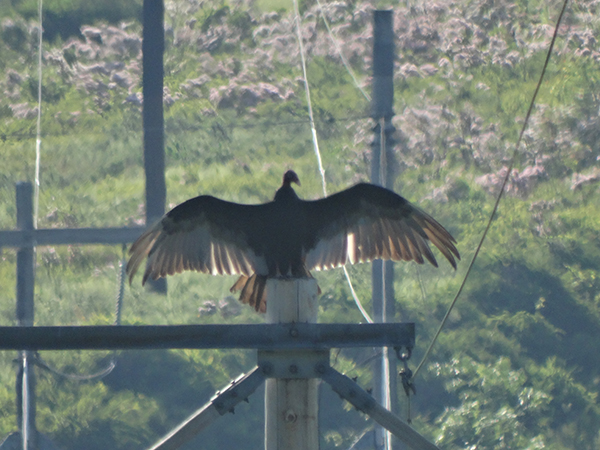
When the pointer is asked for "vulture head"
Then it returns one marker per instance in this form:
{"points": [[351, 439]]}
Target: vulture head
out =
{"points": [[288, 237], [290, 177]]}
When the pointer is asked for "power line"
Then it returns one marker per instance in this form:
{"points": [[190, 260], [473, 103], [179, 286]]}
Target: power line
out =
{"points": [[343, 58], [308, 100], [40, 362], [233, 124], [38, 140]]}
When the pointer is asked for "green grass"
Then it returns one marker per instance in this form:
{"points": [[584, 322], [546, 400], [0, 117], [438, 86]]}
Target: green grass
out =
{"points": [[273, 5]]}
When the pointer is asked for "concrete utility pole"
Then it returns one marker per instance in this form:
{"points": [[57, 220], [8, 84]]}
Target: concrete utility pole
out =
{"points": [[384, 370], [292, 404], [153, 45], [25, 283]]}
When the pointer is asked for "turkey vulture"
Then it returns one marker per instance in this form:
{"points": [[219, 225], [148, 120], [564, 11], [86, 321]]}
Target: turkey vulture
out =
{"points": [[287, 237]]}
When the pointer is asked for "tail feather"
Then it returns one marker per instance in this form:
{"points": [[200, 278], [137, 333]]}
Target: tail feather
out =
{"points": [[253, 291]]}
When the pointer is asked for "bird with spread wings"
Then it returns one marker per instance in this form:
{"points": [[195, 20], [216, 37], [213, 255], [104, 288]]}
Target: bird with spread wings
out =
{"points": [[288, 237]]}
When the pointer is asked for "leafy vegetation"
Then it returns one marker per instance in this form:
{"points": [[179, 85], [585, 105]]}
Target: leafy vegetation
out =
{"points": [[515, 366]]}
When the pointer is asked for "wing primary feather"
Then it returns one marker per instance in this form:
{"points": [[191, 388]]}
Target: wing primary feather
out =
{"points": [[202, 250], [219, 259], [425, 250], [442, 247], [386, 231], [189, 254], [231, 262], [395, 247], [414, 246], [229, 266], [153, 262], [234, 264], [370, 248], [228, 263], [331, 245], [335, 251], [402, 241], [357, 245], [344, 249], [140, 250], [167, 265], [214, 268], [362, 243], [375, 240], [246, 265], [351, 247]]}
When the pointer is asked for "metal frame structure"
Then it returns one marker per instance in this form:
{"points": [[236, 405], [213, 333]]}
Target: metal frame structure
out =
{"points": [[286, 351]]}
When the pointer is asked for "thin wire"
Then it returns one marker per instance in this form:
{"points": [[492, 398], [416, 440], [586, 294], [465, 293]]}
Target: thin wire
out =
{"points": [[502, 187], [113, 359], [357, 440], [38, 140], [121, 285], [40, 362], [23, 135], [423, 293], [363, 311], [339, 50], [307, 90], [318, 152]]}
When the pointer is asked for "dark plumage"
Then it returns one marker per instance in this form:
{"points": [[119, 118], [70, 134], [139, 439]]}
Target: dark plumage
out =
{"points": [[288, 237]]}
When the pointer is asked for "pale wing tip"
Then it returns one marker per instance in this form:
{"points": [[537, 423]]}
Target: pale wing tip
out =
{"points": [[451, 254], [441, 238], [131, 274], [132, 267], [145, 277], [432, 260]]}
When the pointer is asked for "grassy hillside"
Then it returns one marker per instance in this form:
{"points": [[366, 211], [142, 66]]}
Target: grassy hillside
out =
{"points": [[515, 367]]}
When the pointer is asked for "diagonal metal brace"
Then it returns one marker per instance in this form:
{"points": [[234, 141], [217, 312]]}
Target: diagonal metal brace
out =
{"points": [[222, 403], [363, 401]]}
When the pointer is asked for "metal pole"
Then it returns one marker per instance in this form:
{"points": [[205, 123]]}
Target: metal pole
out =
{"points": [[153, 43], [291, 405], [25, 285], [384, 373]]}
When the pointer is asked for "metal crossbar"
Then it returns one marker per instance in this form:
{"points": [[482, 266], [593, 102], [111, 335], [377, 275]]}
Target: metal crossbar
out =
{"points": [[264, 336], [70, 236]]}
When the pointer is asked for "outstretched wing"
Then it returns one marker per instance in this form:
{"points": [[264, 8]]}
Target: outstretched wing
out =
{"points": [[367, 222], [204, 234]]}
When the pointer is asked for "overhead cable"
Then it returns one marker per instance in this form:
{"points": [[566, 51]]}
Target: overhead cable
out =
{"points": [[502, 189]]}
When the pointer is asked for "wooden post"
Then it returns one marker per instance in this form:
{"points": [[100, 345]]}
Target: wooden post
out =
{"points": [[291, 405], [25, 384]]}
